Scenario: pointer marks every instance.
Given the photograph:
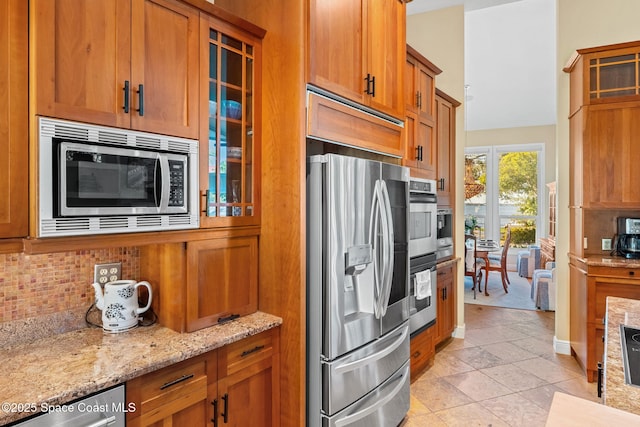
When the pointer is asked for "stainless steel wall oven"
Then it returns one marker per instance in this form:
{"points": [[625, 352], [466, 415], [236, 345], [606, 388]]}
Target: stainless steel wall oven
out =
{"points": [[423, 246]]}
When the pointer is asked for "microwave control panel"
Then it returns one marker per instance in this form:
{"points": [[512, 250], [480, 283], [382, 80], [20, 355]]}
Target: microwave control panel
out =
{"points": [[177, 183]]}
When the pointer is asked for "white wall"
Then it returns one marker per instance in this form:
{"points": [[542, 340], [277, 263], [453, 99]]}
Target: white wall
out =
{"points": [[511, 65], [581, 24], [439, 36]]}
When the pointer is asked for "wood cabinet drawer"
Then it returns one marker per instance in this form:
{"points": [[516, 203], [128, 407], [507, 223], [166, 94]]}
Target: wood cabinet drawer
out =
{"points": [[422, 351], [160, 394], [237, 356], [631, 273]]}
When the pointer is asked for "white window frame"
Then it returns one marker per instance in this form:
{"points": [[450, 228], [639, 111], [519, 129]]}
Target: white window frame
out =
{"points": [[493, 152]]}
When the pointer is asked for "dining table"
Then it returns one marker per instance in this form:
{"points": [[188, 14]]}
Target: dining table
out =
{"points": [[483, 249]]}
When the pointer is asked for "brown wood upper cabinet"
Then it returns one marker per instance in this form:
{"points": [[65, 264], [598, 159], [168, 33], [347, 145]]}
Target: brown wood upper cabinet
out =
{"points": [[123, 63], [604, 126], [420, 121], [446, 137], [356, 50], [230, 125], [14, 128]]}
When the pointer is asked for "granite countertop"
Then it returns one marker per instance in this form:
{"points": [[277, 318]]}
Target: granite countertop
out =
{"points": [[610, 261], [64, 367], [616, 393]]}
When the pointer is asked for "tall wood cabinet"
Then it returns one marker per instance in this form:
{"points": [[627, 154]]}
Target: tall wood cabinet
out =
{"points": [[357, 49], [132, 63], [14, 128], [421, 146], [446, 139], [604, 145]]}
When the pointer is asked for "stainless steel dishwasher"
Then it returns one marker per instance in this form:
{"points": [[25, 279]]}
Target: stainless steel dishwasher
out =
{"points": [[104, 409]]}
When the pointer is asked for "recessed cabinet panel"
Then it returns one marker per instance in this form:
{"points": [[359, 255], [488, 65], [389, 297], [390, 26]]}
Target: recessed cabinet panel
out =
{"points": [[222, 280]]}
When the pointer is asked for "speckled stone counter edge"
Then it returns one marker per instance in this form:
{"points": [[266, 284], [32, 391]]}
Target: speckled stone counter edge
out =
{"points": [[61, 368], [617, 394]]}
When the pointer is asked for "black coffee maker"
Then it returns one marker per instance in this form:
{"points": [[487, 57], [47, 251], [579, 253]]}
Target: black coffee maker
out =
{"points": [[627, 241]]}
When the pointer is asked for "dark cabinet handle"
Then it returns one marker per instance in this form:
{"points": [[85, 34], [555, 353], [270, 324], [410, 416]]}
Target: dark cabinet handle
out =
{"points": [[228, 318], [140, 91], [600, 372], [373, 85], [632, 273], [225, 414], [126, 96], [441, 184], [368, 80], [176, 381], [253, 350], [418, 99], [214, 420]]}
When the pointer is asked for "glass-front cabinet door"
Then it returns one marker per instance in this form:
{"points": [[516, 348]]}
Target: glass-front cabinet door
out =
{"points": [[230, 143]]}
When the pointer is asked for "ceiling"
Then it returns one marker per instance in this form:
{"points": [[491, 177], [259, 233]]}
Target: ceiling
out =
{"points": [[509, 56]]}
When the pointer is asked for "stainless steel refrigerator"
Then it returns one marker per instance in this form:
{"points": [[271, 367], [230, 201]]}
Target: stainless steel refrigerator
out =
{"points": [[357, 292]]}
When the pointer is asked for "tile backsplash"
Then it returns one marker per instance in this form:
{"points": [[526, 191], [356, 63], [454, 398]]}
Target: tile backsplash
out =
{"points": [[47, 284]]}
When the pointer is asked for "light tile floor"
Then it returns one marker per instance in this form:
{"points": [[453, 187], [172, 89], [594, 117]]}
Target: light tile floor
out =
{"points": [[504, 373]]}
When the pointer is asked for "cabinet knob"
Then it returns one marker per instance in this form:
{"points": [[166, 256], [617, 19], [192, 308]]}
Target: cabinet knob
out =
{"points": [[632, 273]]}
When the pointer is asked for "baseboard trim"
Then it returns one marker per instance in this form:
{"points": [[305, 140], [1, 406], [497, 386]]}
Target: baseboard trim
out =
{"points": [[458, 332], [561, 346]]}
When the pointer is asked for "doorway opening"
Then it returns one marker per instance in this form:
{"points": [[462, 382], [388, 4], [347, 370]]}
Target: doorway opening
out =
{"points": [[504, 187]]}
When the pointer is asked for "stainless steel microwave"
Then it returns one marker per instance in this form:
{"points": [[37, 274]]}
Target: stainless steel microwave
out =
{"points": [[95, 179]]}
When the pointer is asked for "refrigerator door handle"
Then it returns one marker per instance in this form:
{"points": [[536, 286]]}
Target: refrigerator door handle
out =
{"points": [[373, 240], [389, 246], [350, 419], [357, 364]]}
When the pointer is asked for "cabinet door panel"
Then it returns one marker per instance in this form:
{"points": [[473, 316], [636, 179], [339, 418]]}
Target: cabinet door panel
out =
{"points": [[14, 114], [445, 114], [336, 43], [387, 49], [165, 48], [611, 144], [427, 142], [82, 59], [251, 388], [410, 124], [427, 88], [222, 280]]}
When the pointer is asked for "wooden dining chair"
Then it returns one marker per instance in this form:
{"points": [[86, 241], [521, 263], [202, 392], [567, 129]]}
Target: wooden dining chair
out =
{"points": [[471, 268], [500, 266]]}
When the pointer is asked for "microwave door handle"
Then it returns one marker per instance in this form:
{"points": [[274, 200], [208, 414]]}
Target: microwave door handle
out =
{"points": [[162, 170]]}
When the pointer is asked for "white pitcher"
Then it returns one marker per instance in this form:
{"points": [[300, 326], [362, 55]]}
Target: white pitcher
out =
{"points": [[119, 304]]}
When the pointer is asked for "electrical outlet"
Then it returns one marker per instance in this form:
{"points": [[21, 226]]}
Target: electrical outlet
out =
{"points": [[606, 244], [104, 273]]}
